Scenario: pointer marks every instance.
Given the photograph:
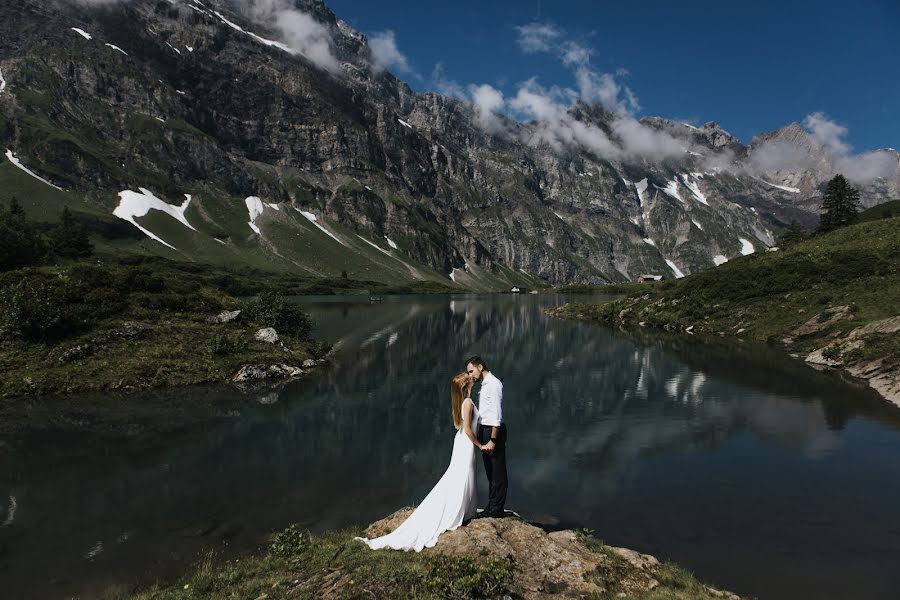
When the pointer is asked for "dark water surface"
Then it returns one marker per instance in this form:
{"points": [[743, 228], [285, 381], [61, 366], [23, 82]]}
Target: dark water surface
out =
{"points": [[750, 469]]}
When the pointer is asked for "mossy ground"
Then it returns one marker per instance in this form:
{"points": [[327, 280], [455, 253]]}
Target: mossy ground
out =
{"points": [[334, 565]]}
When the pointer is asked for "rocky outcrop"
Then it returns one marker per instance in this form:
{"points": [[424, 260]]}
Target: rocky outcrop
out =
{"points": [[129, 330], [549, 565], [849, 353], [226, 316], [256, 373]]}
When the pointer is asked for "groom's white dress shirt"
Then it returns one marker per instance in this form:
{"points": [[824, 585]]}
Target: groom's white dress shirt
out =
{"points": [[490, 401]]}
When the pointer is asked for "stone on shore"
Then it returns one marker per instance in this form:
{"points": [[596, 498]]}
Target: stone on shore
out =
{"points": [[224, 317], [267, 334], [251, 373]]}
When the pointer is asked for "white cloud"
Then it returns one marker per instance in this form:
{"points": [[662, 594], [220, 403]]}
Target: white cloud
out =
{"points": [[487, 101], [537, 37], [827, 135], [444, 86], [299, 30], [574, 53], [386, 54], [638, 140], [554, 125], [869, 166], [826, 132]]}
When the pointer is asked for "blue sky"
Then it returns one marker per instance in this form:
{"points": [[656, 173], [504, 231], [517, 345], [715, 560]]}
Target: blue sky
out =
{"points": [[750, 66]]}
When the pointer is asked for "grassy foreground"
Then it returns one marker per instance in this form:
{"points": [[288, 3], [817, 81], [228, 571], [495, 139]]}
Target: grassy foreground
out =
{"points": [[333, 565], [831, 284]]}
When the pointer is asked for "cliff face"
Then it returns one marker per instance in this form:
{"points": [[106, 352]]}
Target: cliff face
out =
{"points": [[191, 97]]}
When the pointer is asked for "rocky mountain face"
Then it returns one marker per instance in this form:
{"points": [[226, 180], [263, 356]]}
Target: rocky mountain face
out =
{"points": [[206, 98]]}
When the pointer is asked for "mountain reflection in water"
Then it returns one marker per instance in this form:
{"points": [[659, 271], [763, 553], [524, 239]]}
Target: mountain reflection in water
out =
{"points": [[747, 467]]}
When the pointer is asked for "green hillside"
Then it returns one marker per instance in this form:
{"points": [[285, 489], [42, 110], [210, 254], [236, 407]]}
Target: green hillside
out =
{"points": [[808, 296]]}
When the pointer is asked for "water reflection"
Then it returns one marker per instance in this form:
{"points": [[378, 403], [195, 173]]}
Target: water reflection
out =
{"points": [[711, 455]]}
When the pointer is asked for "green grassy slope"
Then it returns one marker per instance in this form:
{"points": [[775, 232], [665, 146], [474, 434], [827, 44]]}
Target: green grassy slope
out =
{"points": [[766, 296]]}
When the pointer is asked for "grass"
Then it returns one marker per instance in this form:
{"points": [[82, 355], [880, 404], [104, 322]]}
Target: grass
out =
{"points": [[303, 566], [767, 295]]}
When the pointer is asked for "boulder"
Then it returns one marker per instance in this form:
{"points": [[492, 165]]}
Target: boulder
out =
{"points": [[224, 317], [267, 335], [309, 363]]}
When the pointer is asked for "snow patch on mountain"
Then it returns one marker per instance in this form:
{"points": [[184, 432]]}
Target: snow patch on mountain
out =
{"points": [[675, 269], [672, 190], [649, 242], [83, 33], [114, 47], [746, 246], [405, 124], [694, 187], [641, 187], [12, 158], [260, 39], [312, 219], [719, 259], [792, 190], [697, 223], [255, 208], [137, 204], [391, 243], [376, 246], [2, 82]]}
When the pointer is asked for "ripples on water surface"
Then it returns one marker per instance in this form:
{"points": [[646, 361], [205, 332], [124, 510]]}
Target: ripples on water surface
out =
{"points": [[750, 469]]}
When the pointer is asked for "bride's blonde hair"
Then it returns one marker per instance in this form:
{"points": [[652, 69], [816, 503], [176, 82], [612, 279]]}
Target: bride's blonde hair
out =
{"points": [[457, 394]]}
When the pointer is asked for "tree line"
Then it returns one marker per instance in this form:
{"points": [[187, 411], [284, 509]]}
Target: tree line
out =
{"points": [[24, 245]]}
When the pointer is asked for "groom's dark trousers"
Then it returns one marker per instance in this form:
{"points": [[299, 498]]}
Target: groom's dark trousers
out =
{"points": [[495, 467]]}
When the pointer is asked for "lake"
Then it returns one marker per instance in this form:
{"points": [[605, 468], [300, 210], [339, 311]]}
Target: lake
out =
{"points": [[757, 473]]}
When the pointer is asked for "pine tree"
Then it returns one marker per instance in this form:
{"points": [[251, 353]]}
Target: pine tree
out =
{"points": [[69, 239], [794, 233], [20, 244], [840, 205]]}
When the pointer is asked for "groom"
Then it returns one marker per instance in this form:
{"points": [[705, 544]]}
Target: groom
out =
{"points": [[491, 433]]}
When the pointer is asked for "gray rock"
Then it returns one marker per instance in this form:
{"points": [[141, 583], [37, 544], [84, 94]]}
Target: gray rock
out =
{"points": [[309, 363], [266, 334], [251, 373], [224, 317]]}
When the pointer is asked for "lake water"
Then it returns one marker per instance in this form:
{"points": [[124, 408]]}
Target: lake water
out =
{"points": [[752, 470]]}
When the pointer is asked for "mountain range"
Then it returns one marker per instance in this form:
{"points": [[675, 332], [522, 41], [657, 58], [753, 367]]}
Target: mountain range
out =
{"points": [[214, 131]]}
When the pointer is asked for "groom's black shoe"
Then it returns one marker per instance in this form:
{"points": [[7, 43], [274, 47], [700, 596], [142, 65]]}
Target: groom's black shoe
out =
{"points": [[492, 514]]}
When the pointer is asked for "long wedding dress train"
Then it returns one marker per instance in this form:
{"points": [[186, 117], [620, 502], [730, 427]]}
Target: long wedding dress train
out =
{"points": [[450, 502]]}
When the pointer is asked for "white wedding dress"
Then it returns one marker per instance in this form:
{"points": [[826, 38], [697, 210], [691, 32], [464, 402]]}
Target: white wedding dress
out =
{"points": [[450, 502]]}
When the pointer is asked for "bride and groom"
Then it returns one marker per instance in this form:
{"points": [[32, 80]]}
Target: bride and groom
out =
{"points": [[453, 500]]}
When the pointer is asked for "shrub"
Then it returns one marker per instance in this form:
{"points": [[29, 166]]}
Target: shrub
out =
{"points": [[36, 309], [467, 577], [20, 243], [69, 239], [271, 309], [289, 542], [225, 343]]}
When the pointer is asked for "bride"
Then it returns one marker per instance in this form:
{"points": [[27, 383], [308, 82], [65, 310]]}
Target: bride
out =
{"points": [[453, 499]]}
